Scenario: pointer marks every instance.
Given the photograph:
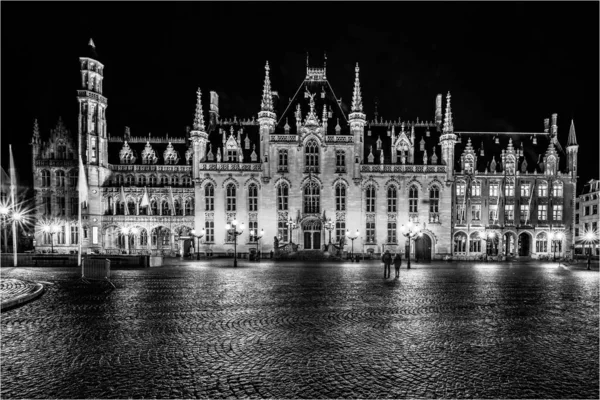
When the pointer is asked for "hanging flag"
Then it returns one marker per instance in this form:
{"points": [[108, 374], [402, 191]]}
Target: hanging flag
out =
{"points": [[124, 201], [530, 197], [4, 181], [172, 200], [146, 201], [82, 185]]}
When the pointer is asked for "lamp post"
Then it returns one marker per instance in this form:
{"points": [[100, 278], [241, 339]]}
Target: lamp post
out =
{"points": [[352, 238], [410, 231], [589, 237], [329, 225], [51, 229], [232, 229], [198, 237], [556, 238], [291, 226], [257, 238], [486, 236]]}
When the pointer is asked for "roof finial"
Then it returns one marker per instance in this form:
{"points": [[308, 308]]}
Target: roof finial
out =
{"points": [[91, 43], [325, 62], [267, 99], [448, 126], [356, 97], [36, 129], [199, 117], [572, 139]]}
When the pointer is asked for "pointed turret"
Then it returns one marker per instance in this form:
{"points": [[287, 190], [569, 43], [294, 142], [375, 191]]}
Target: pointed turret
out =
{"points": [[572, 149], [572, 139], [448, 125], [36, 143], [357, 106], [199, 116], [267, 97], [448, 141], [266, 120], [198, 136]]}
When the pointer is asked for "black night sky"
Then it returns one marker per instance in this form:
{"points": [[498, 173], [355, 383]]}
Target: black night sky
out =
{"points": [[507, 65]]}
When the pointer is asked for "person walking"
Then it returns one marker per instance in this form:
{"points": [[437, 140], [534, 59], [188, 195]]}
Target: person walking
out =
{"points": [[397, 264], [387, 263], [589, 261]]}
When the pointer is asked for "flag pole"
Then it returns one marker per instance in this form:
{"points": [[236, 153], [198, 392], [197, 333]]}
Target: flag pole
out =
{"points": [[80, 236], [13, 189]]}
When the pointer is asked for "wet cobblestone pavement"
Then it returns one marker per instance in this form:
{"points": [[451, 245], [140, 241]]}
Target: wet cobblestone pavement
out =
{"points": [[306, 331]]}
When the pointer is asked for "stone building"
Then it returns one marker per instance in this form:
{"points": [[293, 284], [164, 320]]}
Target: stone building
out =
{"points": [[586, 219], [305, 172]]}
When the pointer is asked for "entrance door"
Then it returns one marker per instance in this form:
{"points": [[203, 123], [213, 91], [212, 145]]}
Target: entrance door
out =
{"points": [[316, 240], [524, 245], [423, 248], [312, 234], [307, 240], [508, 244]]}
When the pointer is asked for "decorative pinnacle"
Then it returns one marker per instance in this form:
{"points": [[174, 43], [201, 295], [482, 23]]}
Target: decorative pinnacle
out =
{"points": [[448, 126], [36, 129], [267, 99], [91, 43], [572, 139], [356, 96], [199, 117]]}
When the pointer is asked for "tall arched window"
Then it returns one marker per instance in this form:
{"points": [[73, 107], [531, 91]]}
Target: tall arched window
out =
{"points": [[541, 243], [252, 197], [543, 189], [142, 180], [312, 198], [164, 180], [154, 206], [557, 189], [283, 161], [460, 242], [189, 207], [370, 196], [476, 189], [152, 180], [282, 197], [311, 154], [187, 181], [230, 199], [340, 161], [175, 180], [164, 206], [392, 197], [60, 178], [143, 237], [340, 197], [177, 207], [130, 180], [45, 178], [474, 243], [434, 204], [209, 197], [131, 207], [413, 199]]}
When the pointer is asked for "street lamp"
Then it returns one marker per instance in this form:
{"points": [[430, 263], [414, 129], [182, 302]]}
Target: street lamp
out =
{"points": [[232, 229], [589, 237], [291, 225], [487, 235], [352, 238], [198, 237], [126, 232], [410, 231], [329, 225], [556, 238], [257, 238], [51, 228]]}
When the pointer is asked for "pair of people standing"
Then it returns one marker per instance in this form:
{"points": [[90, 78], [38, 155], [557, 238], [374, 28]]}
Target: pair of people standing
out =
{"points": [[387, 262]]}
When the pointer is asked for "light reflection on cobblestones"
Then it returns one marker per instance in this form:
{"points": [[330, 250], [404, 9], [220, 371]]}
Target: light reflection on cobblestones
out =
{"points": [[317, 331]]}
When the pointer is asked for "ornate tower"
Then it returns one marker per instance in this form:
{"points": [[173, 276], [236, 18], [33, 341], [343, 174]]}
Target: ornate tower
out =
{"points": [[572, 149], [267, 121], [93, 143], [447, 141], [36, 143], [357, 120], [198, 135]]}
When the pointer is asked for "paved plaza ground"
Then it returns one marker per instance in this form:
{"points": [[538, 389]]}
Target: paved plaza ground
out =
{"points": [[292, 330]]}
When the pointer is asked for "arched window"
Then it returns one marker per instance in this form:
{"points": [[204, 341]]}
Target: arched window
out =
{"points": [[282, 197], [209, 197], [460, 242], [392, 199], [143, 237], [460, 188], [252, 197], [154, 206], [543, 189], [129, 181], [60, 178], [131, 207], [187, 181], [476, 189], [230, 197], [340, 161], [340, 197], [312, 198], [557, 189], [119, 180], [142, 180], [475, 243], [541, 242], [189, 206], [413, 199], [164, 180], [45, 178], [175, 180], [434, 204], [177, 206], [311, 154], [152, 180], [164, 206], [370, 196], [283, 161], [73, 178]]}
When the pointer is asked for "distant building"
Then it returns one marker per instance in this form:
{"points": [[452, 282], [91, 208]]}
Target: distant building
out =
{"points": [[586, 219], [301, 167]]}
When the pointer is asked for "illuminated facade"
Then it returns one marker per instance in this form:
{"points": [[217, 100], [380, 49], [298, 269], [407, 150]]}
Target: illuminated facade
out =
{"points": [[299, 168]]}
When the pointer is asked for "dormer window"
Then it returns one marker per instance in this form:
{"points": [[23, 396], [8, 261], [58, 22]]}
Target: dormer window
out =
{"points": [[170, 155]]}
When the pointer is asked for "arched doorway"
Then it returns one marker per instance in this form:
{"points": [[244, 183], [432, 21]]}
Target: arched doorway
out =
{"points": [[312, 234], [524, 244], [509, 244], [423, 248]]}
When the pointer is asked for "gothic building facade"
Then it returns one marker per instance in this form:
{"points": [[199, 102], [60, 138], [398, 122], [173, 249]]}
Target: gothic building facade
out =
{"points": [[305, 173]]}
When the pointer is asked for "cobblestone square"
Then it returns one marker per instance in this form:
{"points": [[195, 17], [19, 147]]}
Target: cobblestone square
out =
{"points": [[291, 330]]}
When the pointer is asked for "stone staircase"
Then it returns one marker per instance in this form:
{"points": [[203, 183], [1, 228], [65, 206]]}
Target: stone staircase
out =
{"points": [[311, 255]]}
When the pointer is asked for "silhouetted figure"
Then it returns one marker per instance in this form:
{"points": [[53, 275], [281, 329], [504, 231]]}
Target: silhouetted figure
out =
{"points": [[589, 261], [397, 264], [387, 263]]}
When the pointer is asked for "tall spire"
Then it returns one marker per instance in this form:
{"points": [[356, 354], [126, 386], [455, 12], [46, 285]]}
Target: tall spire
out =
{"points": [[572, 139], [448, 126], [356, 96], [267, 99], [36, 129], [91, 43], [199, 117]]}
